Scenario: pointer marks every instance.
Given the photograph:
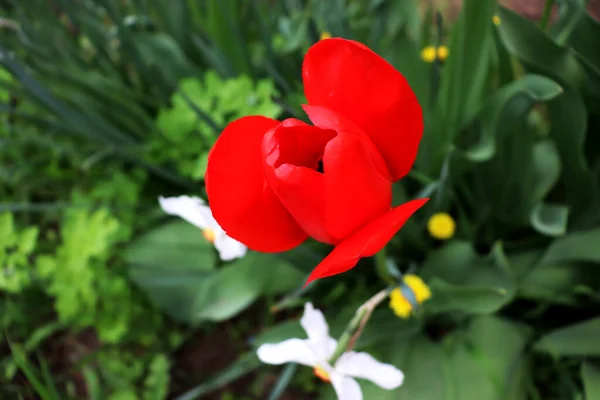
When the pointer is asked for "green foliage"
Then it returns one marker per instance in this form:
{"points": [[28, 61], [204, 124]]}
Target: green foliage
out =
{"points": [[108, 104], [176, 267], [198, 112], [15, 249]]}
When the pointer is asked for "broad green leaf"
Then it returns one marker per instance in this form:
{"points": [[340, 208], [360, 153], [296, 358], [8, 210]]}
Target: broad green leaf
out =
{"points": [[590, 375], [174, 246], [499, 346], [580, 339], [173, 265], [576, 246], [475, 299], [233, 288], [451, 262], [557, 283], [484, 361], [550, 219]]}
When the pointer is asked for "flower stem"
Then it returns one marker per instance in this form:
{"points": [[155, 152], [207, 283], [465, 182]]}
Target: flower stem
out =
{"points": [[382, 268], [357, 324]]}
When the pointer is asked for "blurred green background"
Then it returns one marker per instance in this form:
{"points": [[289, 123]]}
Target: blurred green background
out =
{"points": [[107, 104]]}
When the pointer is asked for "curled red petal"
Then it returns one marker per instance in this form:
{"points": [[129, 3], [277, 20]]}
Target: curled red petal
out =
{"points": [[240, 200], [328, 119], [355, 191], [365, 242], [292, 154], [349, 78]]}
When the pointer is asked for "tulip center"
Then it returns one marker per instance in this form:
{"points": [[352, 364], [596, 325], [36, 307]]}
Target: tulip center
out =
{"points": [[301, 146], [209, 235], [322, 374]]}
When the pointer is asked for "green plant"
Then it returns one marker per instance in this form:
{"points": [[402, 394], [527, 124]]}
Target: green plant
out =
{"points": [[199, 110]]}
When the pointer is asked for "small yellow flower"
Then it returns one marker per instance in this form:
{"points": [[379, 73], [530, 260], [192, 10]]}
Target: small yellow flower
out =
{"points": [[441, 226], [325, 35], [496, 20], [404, 307], [442, 53], [428, 54]]}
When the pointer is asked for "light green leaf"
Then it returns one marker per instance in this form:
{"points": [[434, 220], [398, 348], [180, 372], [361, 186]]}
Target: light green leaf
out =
{"points": [[475, 299], [232, 288], [576, 246], [174, 246], [590, 375], [550, 219], [580, 339]]}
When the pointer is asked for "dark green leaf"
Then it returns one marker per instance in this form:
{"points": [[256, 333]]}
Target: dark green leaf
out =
{"points": [[590, 375], [580, 339], [577, 246]]}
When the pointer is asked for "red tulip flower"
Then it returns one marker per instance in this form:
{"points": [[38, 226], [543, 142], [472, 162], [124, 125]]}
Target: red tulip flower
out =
{"points": [[272, 184]]}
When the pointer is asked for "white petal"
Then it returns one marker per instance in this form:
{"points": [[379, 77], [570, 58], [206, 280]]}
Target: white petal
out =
{"points": [[291, 350], [229, 248], [346, 388], [363, 365], [191, 209], [316, 328]]}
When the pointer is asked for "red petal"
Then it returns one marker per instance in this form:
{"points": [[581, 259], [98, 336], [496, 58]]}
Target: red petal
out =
{"points": [[366, 242], [329, 119], [355, 191], [292, 153], [349, 78], [241, 202]]}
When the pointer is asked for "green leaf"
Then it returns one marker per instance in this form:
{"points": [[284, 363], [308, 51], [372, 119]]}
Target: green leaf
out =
{"points": [[539, 52], [580, 339], [550, 219], [283, 381], [467, 298], [465, 75], [483, 361], [576, 246], [177, 245], [584, 34], [590, 375], [173, 265], [533, 88], [233, 288], [568, 130], [557, 283]]}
